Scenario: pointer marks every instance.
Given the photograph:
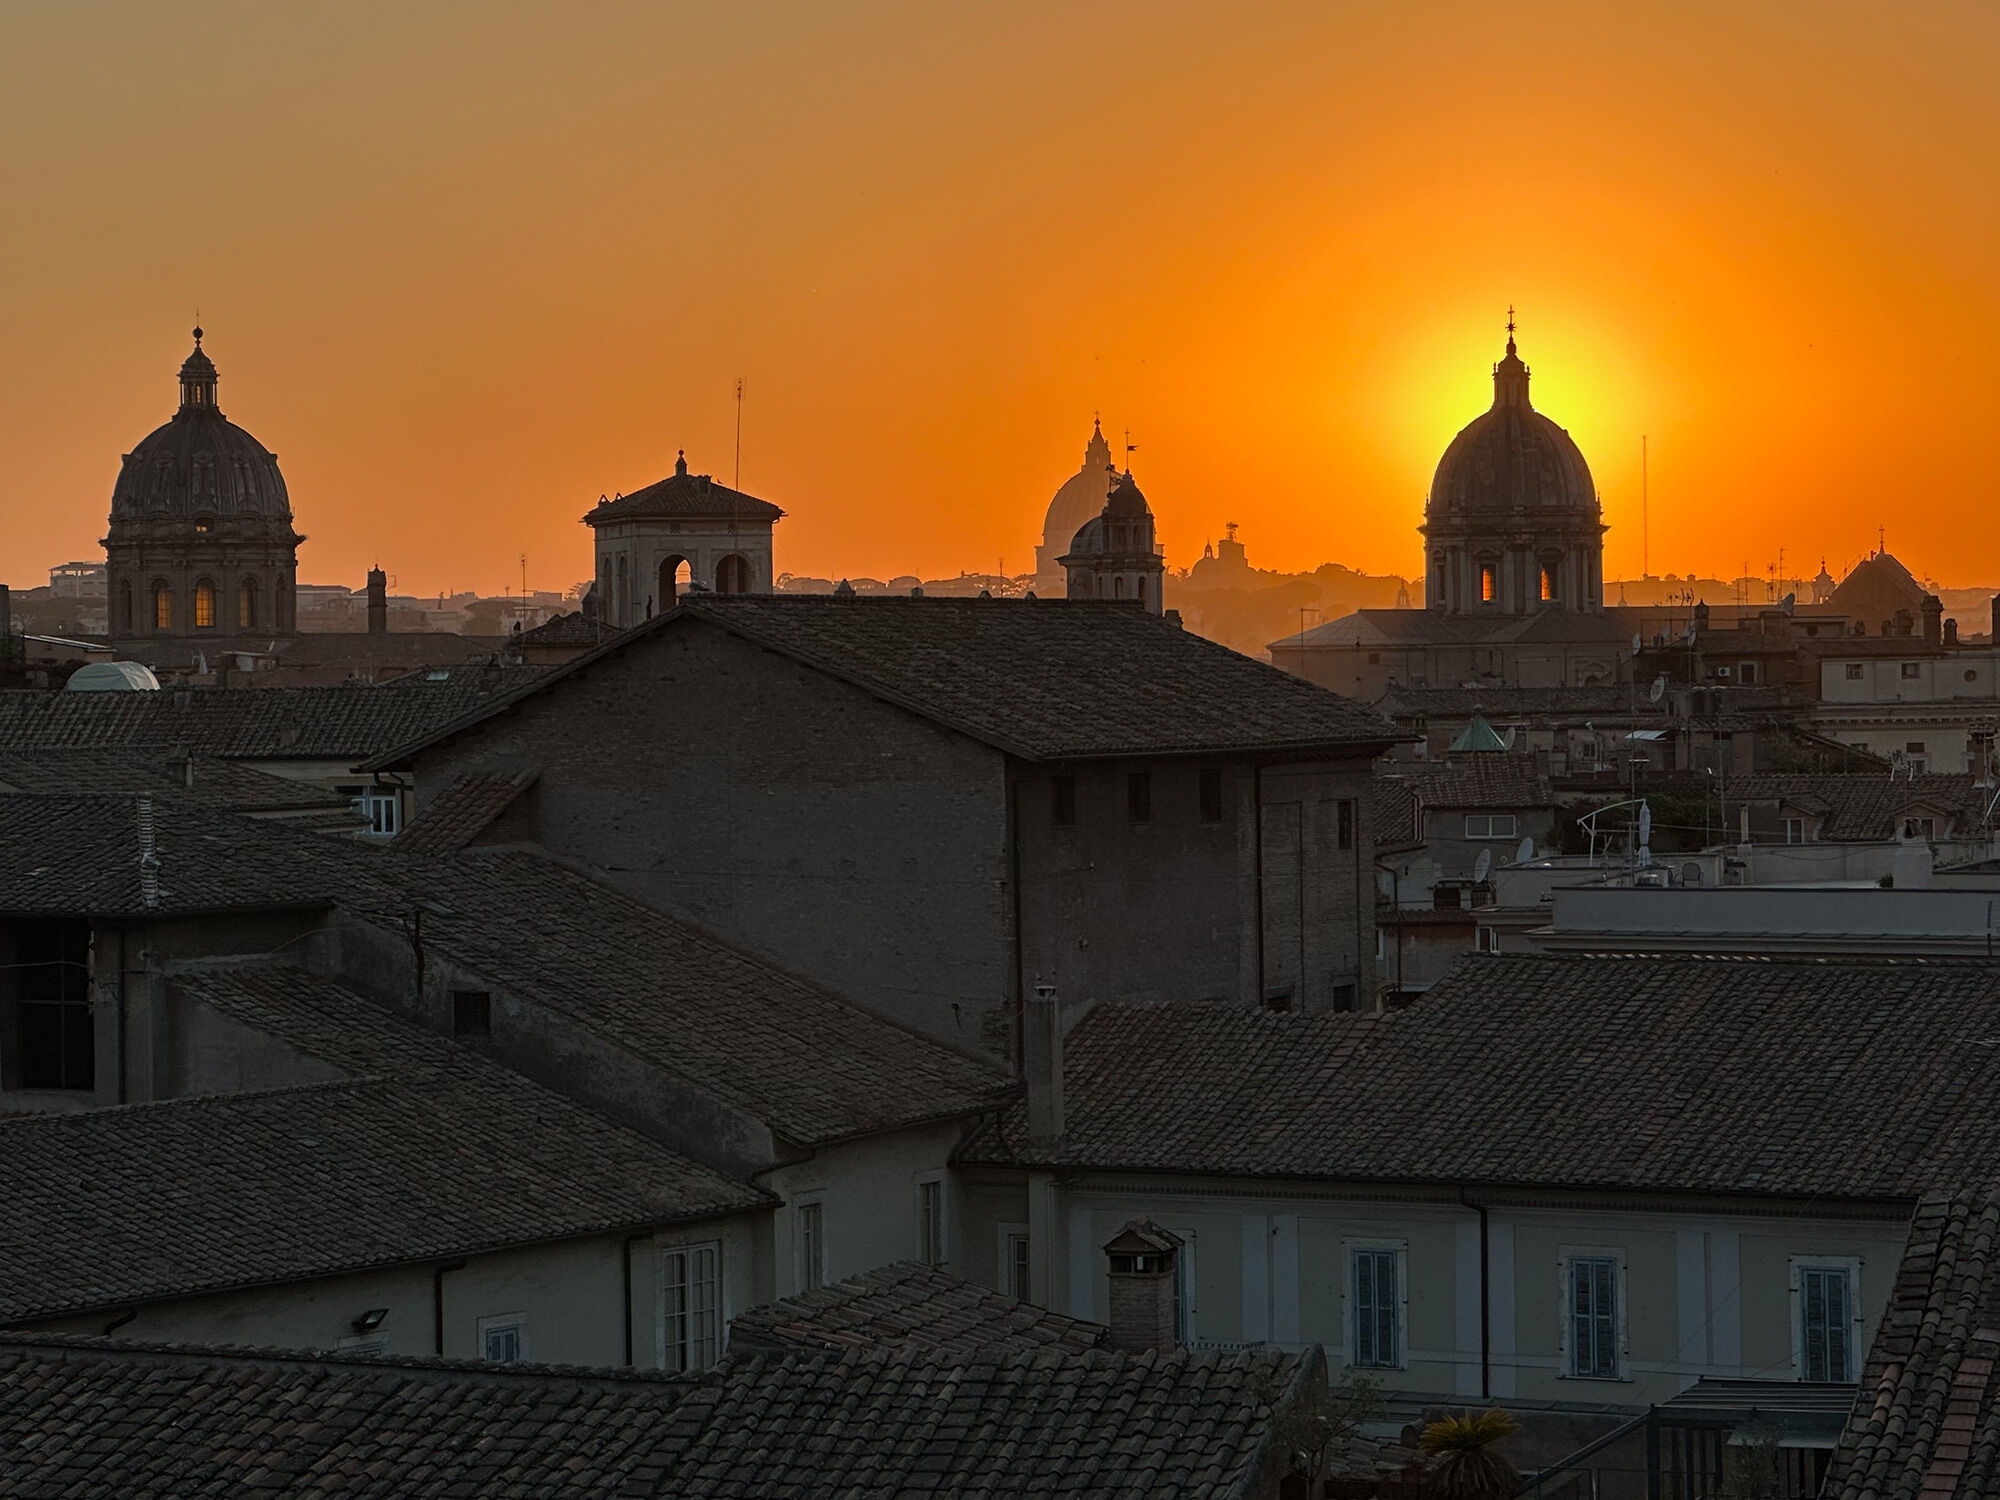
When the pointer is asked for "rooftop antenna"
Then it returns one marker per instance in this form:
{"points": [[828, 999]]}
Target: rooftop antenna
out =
{"points": [[149, 857], [1130, 449], [1881, 546], [524, 583], [737, 482], [1645, 514]]}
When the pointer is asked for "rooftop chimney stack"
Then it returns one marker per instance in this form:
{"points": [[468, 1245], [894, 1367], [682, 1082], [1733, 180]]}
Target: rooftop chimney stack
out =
{"points": [[1933, 620], [1995, 627], [1042, 1066], [1951, 633], [1145, 1288], [378, 602]]}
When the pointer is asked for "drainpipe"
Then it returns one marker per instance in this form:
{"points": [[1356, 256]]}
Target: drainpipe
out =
{"points": [[437, 1300], [1485, 1299]]}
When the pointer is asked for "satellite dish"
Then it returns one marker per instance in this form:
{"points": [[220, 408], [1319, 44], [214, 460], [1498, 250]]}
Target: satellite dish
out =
{"points": [[1659, 688], [1638, 644], [1482, 866], [1525, 852]]}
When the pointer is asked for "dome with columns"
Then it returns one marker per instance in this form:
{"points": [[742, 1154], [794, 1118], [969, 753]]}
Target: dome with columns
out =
{"points": [[1513, 521]]}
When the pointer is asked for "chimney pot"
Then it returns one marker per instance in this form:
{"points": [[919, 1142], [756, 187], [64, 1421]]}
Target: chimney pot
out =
{"points": [[1145, 1287]]}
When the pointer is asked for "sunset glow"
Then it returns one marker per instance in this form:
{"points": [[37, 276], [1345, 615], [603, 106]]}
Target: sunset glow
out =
{"points": [[466, 269]]}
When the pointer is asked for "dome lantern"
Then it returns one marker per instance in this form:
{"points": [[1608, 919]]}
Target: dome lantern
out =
{"points": [[197, 378]]}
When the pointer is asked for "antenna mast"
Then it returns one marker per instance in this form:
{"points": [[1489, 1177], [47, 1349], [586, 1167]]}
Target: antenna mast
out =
{"points": [[737, 482], [1645, 515]]}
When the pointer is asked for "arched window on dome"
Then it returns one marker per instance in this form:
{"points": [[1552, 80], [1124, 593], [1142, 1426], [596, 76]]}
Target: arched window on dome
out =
{"points": [[125, 605], [732, 574], [1489, 583], [1118, 587], [246, 605], [163, 605], [1548, 582], [204, 604], [676, 574]]}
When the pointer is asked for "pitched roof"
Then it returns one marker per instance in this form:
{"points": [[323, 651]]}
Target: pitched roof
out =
{"points": [[1476, 780], [1867, 808], [1670, 1074], [910, 1306], [412, 1149], [1040, 679], [80, 856], [1926, 1421], [682, 494], [463, 810], [1393, 814], [811, 1065], [573, 629], [220, 783], [309, 723], [1517, 702], [196, 1424], [1478, 735]]}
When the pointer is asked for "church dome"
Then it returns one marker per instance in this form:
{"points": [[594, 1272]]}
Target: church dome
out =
{"points": [[200, 463], [1510, 458], [1080, 498]]}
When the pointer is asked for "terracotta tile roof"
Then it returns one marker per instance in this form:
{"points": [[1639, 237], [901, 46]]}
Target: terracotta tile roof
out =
{"points": [[462, 811], [811, 1065], [1478, 780], [1671, 1074], [573, 629], [1926, 1421], [226, 784], [909, 1306], [412, 1149], [308, 723], [1041, 679], [79, 856], [84, 1417], [1868, 808], [1394, 813]]}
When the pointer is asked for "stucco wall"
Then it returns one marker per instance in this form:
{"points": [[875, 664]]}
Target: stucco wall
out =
{"points": [[837, 835], [867, 1190]]}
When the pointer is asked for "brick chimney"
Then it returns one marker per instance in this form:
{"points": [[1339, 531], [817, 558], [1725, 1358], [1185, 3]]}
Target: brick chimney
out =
{"points": [[378, 602], [1951, 632], [1042, 1066], [1145, 1287], [1933, 620], [1996, 619]]}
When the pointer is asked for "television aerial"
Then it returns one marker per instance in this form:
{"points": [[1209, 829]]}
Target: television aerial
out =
{"points": [[1482, 866]]}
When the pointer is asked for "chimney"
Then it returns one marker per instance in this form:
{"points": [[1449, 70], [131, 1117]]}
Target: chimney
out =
{"points": [[1933, 620], [1996, 620], [378, 602], [1145, 1288], [1042, 1066], [1951, 632]]}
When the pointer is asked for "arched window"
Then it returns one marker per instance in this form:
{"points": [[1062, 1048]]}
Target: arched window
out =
{"points": [[1548, 582], [732, 574], [1141, 586], [246, 605], [675, 575], [1489, 583], [204, 605], [163, 605], [125, 604], [1118, 587]]}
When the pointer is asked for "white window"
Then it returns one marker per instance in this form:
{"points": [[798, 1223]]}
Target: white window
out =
{"points": [[930, 1221], [1795, 830], [1489, 825], [1592, 1321], [1920, 828], [810, 1220], [1375, 1306], [1746, 672], [691, 1287], [1854, 671], [1486, 939], [1015, 1276], [384, 812], [503, 1340], [1826, 1327]]}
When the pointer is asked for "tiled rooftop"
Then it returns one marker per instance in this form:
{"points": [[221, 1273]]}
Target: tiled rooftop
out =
{"points": [[1689, 1074], [226, 784], [460, 812], [1483, 779], [1867, 808], [300, 723], [1926, 1421], [86, 1418], [1042, 679], [908, 1306], [411, 1149]]}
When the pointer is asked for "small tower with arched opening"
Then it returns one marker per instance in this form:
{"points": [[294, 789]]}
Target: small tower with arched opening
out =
{"points": [[685, 532], [1114, 555]]}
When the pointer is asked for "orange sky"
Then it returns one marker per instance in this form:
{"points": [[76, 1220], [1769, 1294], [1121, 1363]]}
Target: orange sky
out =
{"points": [[464, 268]]}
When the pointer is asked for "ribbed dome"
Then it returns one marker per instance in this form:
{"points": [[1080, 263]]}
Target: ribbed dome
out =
{"points": [[1510, 458], [200, 463], [1081, 497]]}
